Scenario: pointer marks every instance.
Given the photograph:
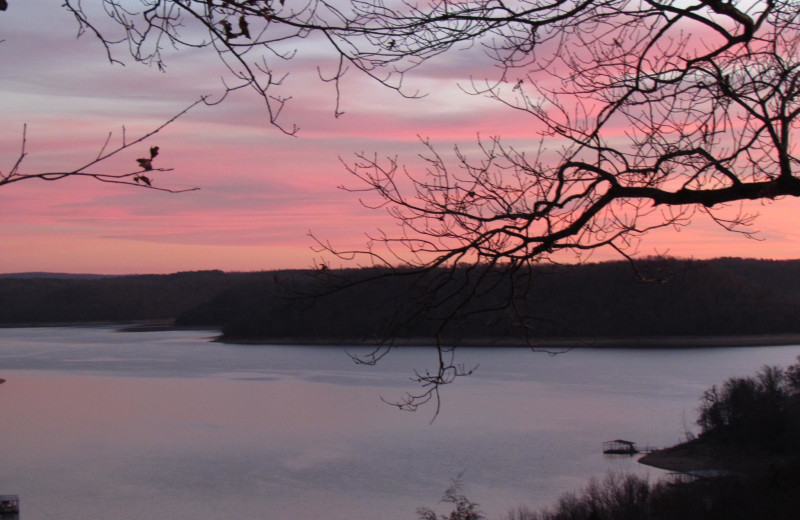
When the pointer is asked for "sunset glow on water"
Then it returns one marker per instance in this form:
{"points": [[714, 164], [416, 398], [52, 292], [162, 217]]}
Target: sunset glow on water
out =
{"points": [[154, 424]]}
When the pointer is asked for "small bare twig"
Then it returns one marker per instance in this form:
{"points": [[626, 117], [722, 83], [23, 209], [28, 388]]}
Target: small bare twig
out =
{"points": [[139, 177]]}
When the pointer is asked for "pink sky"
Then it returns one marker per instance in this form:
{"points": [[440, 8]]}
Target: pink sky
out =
{"points": [[261, 191]]}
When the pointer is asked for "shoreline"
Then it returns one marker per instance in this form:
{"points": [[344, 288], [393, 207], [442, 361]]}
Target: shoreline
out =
{"points": [[677, 342], [660, 342], [118, 326], [698, 457], [686, 457]]}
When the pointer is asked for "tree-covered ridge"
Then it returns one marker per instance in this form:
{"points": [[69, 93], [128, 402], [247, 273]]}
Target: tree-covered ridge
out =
{"points": [[678, 298], [50, 298], [666, 297]]}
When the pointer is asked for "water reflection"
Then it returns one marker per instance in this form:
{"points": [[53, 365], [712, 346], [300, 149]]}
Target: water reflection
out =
{"points": [[168, 425]]}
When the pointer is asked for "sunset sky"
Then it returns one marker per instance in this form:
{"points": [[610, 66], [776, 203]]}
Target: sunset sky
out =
{"points": [[261, 190]]}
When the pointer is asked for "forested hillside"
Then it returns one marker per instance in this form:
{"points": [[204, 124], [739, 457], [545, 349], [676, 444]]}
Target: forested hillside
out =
{"points": [[679, 298], [42, 298]]}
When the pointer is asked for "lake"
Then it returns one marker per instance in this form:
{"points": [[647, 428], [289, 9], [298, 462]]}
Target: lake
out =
{"points": [[96, 423]]}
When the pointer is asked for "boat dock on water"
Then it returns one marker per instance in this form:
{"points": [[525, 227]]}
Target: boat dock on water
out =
{"points": [[623, 447], [9, 507]]}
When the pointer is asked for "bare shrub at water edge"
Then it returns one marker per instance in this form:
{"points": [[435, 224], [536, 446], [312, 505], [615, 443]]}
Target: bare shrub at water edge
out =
{"points": [[618, 496], [464, 508], [630, 497]]}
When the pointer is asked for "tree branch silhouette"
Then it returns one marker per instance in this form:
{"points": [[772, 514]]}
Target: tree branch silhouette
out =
{"points": [[644, 114], [141, 176], [648, 114]]}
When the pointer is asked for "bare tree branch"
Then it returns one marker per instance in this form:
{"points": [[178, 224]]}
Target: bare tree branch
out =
{"points": [[141, 176], [649, 114], [644, 114]]}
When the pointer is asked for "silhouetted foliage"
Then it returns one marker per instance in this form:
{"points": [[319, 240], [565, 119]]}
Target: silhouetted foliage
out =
{"points": [[707, 92], [762, 410], [630, 497], [723, 297], [141, 175], [38, 299], [463, 508]]}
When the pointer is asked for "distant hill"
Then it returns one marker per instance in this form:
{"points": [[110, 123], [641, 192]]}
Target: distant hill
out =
{"points": [[45, 298], [722, 297], [67, 276]]}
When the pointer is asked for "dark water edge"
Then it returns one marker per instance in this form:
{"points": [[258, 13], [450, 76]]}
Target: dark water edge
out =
{"points": [[164, 325], [659, 342], [656, 342]]}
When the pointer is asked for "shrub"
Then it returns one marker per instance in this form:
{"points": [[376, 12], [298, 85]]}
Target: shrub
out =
{"points": [[464, 508]]}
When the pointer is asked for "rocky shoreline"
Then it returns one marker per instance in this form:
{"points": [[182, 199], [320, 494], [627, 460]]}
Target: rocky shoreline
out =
{"points": [[699, 456]]}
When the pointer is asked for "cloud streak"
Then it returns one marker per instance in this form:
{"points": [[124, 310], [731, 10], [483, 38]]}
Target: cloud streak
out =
{"points": [[261, 191]]}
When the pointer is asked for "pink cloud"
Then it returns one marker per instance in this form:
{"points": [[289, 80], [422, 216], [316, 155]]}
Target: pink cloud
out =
{"points": [[261, 191]]}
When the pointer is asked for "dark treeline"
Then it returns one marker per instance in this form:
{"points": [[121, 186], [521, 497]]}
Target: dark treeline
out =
{"points": [[47, 298], [629, 497], [763, 410], [678, 298]]}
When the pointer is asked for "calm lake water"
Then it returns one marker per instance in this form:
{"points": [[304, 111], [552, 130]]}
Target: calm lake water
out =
{"points": [[150, 425]]}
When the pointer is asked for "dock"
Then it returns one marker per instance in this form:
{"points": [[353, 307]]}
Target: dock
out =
{"points": [[623, 447], [9, 506]]}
